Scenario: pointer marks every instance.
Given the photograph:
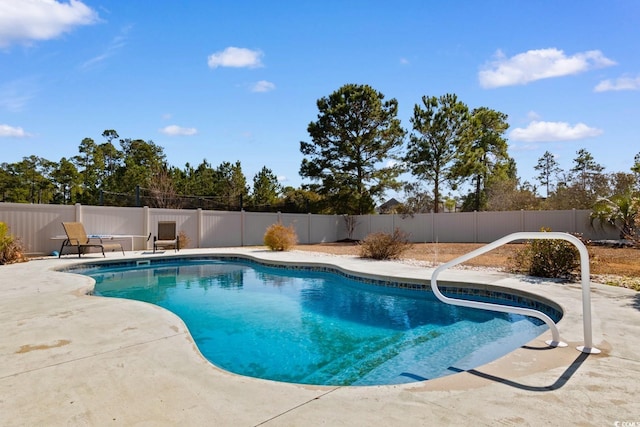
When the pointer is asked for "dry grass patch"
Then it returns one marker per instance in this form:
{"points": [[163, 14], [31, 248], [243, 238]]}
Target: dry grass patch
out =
{"points": [[613, 266]]}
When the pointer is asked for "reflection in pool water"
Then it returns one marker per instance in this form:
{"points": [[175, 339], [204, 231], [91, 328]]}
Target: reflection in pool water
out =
{"points": [[316, 327]]}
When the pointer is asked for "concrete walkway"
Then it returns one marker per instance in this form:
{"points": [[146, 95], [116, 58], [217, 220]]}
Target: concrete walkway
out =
{"points": [[67, 358]]}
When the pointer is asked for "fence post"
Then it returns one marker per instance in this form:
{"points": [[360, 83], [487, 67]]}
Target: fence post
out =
{"points": [[475, 226], [309, 228], [434, 237], [242, 219], [146, 219], [78, 212], [199, 228]]}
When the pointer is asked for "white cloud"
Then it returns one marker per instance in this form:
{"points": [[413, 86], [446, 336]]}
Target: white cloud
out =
{"points": [[7, 131], [263, 86], [174, 130], [404, 61], [538, 64], [621, 83], [236, 57], [26, 20], [538, 131]]}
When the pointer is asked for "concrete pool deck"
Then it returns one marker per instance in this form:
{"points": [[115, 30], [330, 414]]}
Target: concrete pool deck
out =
{"points": [[67, 358]]}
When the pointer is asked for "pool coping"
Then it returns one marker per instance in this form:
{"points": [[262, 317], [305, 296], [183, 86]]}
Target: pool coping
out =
{"points": [[69, 358]]}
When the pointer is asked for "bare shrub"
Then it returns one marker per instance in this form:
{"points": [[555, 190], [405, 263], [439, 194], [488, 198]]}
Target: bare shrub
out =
{"points": [[183, 239], [384, 245], [11, 248], [350, 222], [163, 192], [280, 238]]}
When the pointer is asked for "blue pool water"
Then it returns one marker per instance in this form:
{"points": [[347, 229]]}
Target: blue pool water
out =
{"points": [[317, 327]]}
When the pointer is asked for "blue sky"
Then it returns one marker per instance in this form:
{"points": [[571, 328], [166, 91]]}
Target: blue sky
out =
{"points": [[239, 80]]}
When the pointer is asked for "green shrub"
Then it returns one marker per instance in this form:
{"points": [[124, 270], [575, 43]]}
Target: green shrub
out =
{"points": [[280, 238], [11, 249], [554, 258], [384, 245]]}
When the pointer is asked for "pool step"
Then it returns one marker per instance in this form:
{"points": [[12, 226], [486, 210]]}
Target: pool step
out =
{"points": [[355, 365]]}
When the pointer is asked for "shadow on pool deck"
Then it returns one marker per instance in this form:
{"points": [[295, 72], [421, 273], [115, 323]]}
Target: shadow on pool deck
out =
{"points": [[559, 383]]}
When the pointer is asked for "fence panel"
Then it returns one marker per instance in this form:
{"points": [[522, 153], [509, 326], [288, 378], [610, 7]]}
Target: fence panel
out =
{"points": [[494, 225], [220, 229], [413, 226], [300, 224], [255, 225], [112, 220], [324, 228], [36, 225], [457, 227], [555, 220]]}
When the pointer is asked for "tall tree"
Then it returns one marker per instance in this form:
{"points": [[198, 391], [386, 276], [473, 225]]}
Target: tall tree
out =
{"points": [[585, 168], [417, 199], [440, 131], [14, 187], [509, 195], [548, 168], [34, 176], [584, 184], [90, 168], [636, 170], [621, 183], [230, 184], [298, 200], [484, 157], [266, 188], [142, 161], [110, 157], [353, 145], [6, 182], [201, 179], [67, 180]]}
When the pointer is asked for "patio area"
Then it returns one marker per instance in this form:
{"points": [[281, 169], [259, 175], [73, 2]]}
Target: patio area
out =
{"points": [[67, 358]]}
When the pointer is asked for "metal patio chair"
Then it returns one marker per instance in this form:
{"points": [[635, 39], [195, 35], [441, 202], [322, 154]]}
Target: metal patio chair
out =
{"points": [[167, 236]]}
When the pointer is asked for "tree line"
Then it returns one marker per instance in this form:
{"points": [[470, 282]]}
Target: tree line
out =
{"points": [[358, 152]]}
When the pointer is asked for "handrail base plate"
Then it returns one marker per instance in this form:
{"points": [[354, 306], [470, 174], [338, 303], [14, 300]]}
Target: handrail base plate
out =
{"points": [[588, 350], [552, 343]]}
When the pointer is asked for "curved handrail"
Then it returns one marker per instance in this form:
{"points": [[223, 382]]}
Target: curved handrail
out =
{"points": [[584, 268]]}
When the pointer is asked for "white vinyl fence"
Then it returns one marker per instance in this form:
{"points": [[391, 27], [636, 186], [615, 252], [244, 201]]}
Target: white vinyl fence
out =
{"points": [[40, 226]]}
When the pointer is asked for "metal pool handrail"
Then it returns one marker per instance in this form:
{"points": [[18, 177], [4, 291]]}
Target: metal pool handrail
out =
{"points": [[586, 296]]}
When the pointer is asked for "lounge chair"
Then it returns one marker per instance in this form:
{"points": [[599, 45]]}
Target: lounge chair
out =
{"points": [[167, 236], [77, 238]]}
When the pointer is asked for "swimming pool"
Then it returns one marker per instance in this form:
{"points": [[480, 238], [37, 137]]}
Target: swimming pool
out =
{"points": [[317, 326]]}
